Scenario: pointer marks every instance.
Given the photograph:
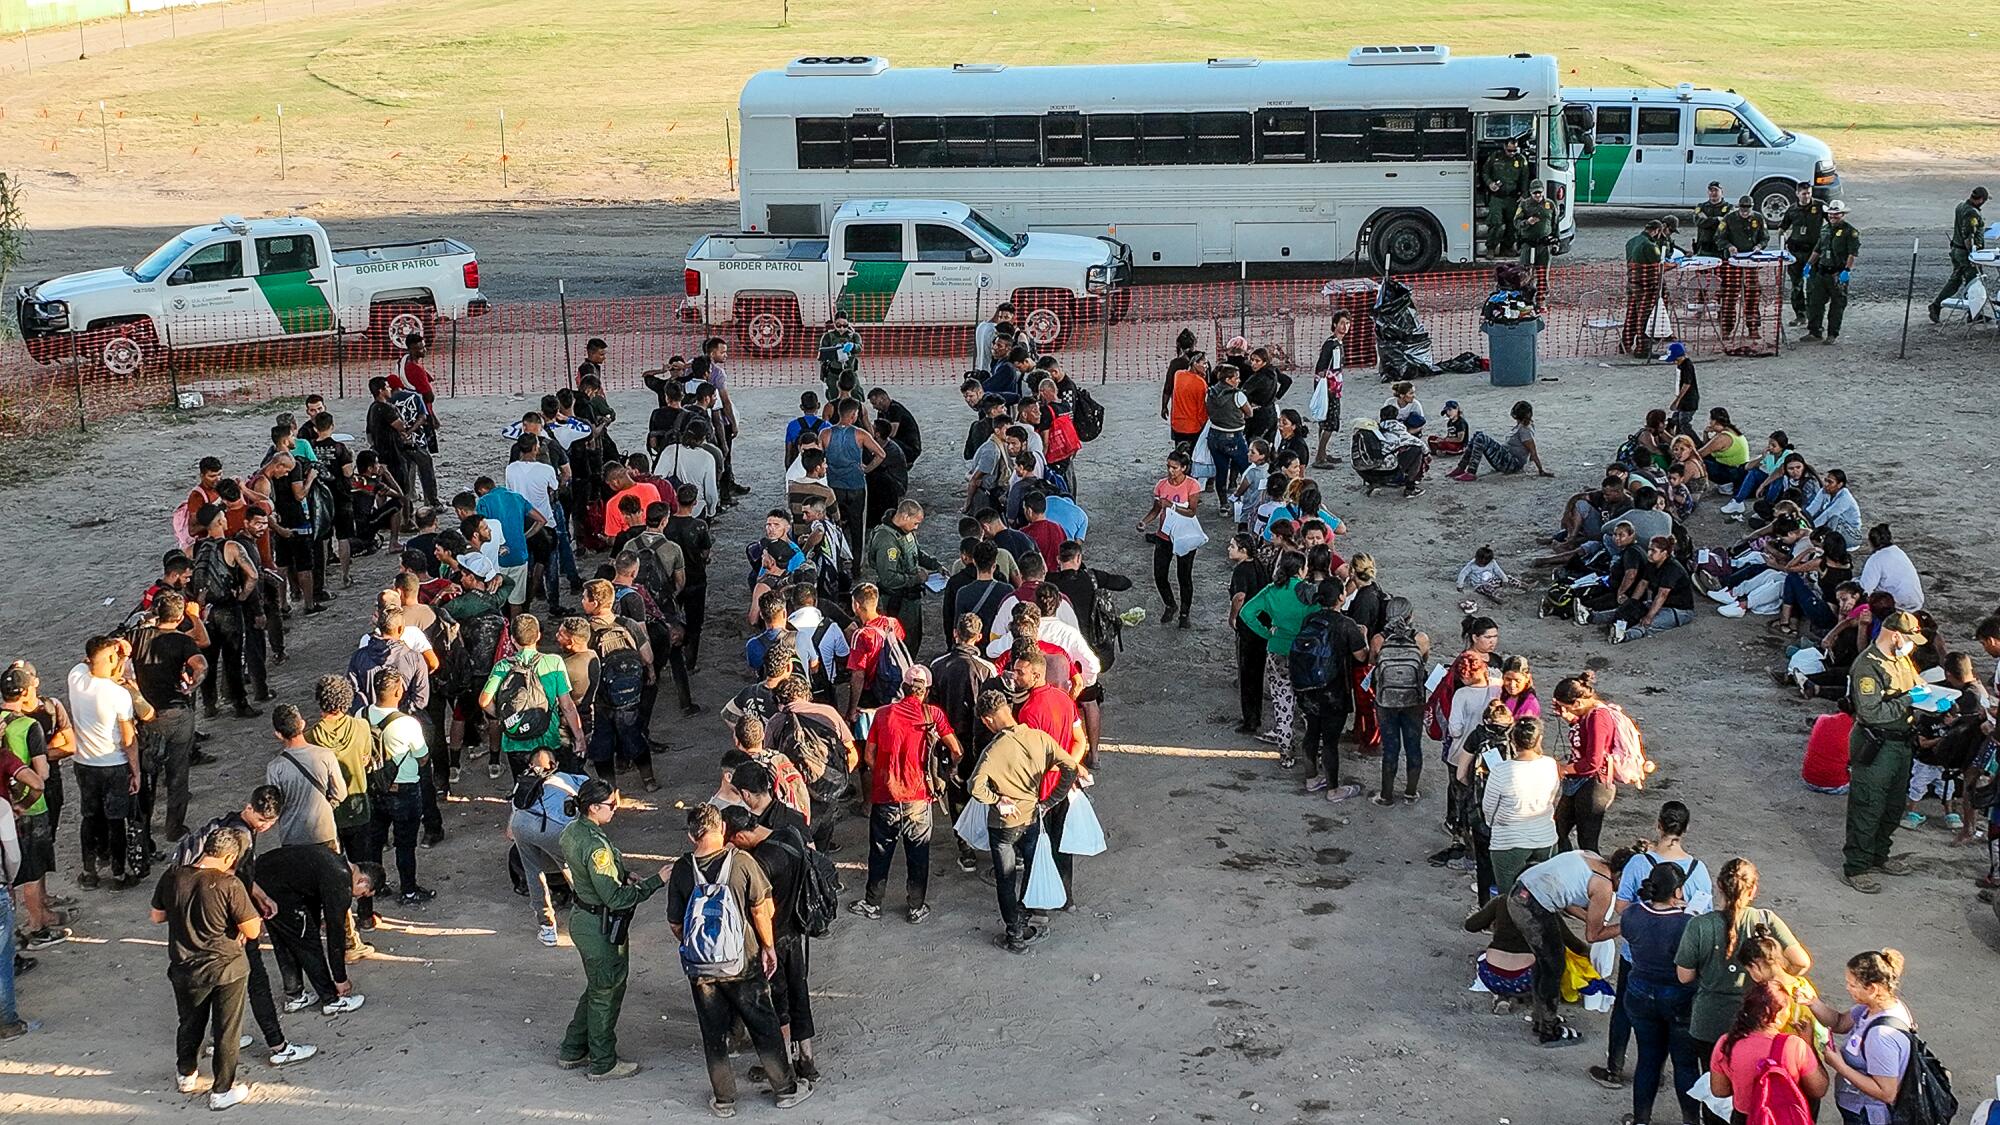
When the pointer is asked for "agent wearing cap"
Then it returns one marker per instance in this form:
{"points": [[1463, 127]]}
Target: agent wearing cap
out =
{"points": [[1826, 273], [1968, 233], [1642, 288], [1708, 216], [1878, 751], [1506, 177], [1743, 232], [1801, 226], [1535, 227]]}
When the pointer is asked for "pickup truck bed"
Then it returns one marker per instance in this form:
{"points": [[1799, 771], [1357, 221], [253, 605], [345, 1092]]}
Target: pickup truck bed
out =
{"points": [[399, 252], [754, 247]]}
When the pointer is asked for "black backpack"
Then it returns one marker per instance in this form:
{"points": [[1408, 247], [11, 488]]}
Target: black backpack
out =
{"points": [[1924, 1095], [1312, 661], [817, 901], [1108, 627], [622, 670], [652, 573], [448, 641], [484, 639], [214, 579], [522, 704], [810, 746], [1088, 415]]}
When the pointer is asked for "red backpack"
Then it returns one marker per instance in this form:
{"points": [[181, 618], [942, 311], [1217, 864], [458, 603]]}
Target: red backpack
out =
{"points": [[1775, 1097]]}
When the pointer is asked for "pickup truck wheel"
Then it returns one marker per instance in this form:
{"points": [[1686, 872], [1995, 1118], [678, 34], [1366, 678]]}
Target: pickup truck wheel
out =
{"points": [[122, 356], [1047, 320], [121, 349], [766, 327], [395, 323]]}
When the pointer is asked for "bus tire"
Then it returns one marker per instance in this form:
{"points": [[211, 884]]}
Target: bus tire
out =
{"points": [[123, 348], [391, 323], [1773, 197], [765, 325], [1405, 242], [1046, 317]]}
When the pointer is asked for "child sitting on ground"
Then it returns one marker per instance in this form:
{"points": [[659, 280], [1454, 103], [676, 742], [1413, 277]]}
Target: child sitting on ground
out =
{"points": [[1457, 431], [1484, 577]]}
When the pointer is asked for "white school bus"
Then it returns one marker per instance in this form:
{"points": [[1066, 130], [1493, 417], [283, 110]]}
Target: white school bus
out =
{"points": [[1225, 161]]}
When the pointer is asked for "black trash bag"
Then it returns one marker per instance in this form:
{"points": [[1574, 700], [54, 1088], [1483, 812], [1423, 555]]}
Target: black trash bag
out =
{"points": [[1403, 344], [1464, 363]]}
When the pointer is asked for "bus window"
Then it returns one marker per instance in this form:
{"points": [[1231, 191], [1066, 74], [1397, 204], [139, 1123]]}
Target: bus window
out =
{"points": [[1721, 128], [867, 142], [1393, 136], [822, 142], [1063, 141], [1284, 136], [920, 142], [1660, 128], [1017, 142], [1114, 138], [1446, 134], [1342, 136], [1164, 138], [1215, 138], [1614, 125], [873, 242]]}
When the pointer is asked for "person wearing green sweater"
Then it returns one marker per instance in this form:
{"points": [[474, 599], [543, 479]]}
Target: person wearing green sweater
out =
{"points": [[1275, 614]]}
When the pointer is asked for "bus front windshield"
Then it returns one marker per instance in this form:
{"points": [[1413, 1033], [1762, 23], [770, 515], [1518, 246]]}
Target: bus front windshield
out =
{"points": [[153, 265], [1002, 242], [1558, 146]]}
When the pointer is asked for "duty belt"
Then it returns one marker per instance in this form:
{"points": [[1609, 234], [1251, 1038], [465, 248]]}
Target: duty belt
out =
{"points": [[586, 907]]}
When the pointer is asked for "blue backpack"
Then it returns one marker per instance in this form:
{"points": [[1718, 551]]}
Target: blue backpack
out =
{"points": [[712, 945]]}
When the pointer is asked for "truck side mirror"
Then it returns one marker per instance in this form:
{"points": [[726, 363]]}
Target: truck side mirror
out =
{"points": [[181, 276], [977, 255]]}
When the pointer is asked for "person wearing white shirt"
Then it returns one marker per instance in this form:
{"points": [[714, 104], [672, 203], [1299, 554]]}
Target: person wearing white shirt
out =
{"points": [[1889, 568], [1060, 633], [1519, 804], [402, 738], [535, 480], [689, 463], [1836, 507], [821, 645], [103, 714]]}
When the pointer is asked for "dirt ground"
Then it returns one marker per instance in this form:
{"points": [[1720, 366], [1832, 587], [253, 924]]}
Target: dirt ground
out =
{"points": [[1243, 953]]}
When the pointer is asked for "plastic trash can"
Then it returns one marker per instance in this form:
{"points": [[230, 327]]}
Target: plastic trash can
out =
{"points": [[1512, 349]]}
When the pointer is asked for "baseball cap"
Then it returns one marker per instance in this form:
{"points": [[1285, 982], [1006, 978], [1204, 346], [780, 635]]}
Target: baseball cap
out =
{"points": [[1451, 404], [1902, 621], [916, 678], [479, 566], [1414, 420], [1676, 351], [15, 680]]}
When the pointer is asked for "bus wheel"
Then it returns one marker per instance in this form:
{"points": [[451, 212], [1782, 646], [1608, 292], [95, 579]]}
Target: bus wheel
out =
{"points": [[1046, 319], [765, 326], [1774, 198], [1405, 244]]}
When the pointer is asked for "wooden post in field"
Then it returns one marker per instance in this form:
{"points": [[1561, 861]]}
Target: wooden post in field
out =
{"points": [[104, 132], [281, 141], [503, 148]]}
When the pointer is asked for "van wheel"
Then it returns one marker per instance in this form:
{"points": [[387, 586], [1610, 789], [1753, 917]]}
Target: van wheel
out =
{"points": [[765, 327], [392, 324], [1405, 244], [1773, 198], [1047, 319]]}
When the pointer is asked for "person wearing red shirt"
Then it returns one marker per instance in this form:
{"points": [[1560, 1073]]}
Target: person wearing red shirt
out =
{"points": [[1047, 534], [1587, 790], [618, 480], [1051, 710], [872, 633], [897, 756]]}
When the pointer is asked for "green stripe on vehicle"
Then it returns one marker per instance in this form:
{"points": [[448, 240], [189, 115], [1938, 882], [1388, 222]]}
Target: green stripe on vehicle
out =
{"points": [[1600, 173], [299, 304], [866, 297]]}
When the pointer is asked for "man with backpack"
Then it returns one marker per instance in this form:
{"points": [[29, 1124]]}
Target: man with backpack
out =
{"points": [[821, 744], [529, 693], [1091, 589], [957, 678], [723, 915], [1328, 645], [310, 779], [224, 576], [821, 646], [1401, 659], [690, 533], [901, 568], [541, 810], [348, 738], [168, 664], [625, 668], [786, 862], [663, 626], [877, 654], [398, 779], [908, 745]]}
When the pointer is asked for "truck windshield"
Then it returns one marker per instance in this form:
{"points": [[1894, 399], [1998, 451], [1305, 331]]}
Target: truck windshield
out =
{"points": [[1771, 134], [153, 265], [987, 229]]}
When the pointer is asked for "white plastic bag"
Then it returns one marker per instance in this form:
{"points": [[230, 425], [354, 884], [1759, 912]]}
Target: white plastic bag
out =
{"points": [[1705, 1094], [1184, 532], [1807, 662], [1203, 467], [1082, 833], [1317, 404], [1045, 886], [971, 826]]}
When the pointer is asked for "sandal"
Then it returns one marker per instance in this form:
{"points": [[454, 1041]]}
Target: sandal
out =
{"points": [[1565, 1036], [1286, 761]]}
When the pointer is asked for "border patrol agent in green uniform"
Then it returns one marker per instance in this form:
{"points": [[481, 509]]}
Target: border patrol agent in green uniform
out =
{"points": [[1535, 228], [1743, 233], [1826, 273], [1968, 233], [1878, 751], [1642, 288], [1708, 216], [1506, 176], [1801, 227], [604, 895]]}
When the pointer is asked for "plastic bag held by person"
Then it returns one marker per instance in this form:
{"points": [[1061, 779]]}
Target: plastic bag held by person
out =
{"points": [[1045, 886], [971, 826], [1082, 833]]}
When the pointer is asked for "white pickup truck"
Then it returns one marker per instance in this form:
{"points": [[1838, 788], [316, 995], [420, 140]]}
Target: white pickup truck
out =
{"points": [[914, 262], [248, 282]]}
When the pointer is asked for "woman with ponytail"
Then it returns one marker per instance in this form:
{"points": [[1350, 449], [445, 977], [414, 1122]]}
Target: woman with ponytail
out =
{"points": [[604, 894], [1713, 949], [1872, 1040], [1757, 1038]]}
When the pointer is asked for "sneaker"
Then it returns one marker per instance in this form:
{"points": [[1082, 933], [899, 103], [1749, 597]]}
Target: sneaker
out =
{"points": [[301, 1002], [623, 1068], [1734, 507], [800, 1092], [1028, 936], [918, 915], [360, 951], [862, 908], [1344, 793], [1315, 784], [968, 864], [1954, 822], [1608, 1078], [43, 938], [418, 895], [1864, 882], [721, 1108], [235, 1095], [453, 776], [1618, 629], [342, 1004], [1721, 597], [1382, 800], [186, 1083], [547, 935], [1579, 612], [1462, 863], [19, 1028], [87, 879], [293, 1052], [492, 772], [573, 1064], [1270, 736], [1462, 477], [368, 922], [1733, 609], [1413, 491], [1914, 819], [1896, 865]]}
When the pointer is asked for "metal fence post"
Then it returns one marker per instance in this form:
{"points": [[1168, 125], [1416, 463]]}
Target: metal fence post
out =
{"points": [[454, 357], [339, 355], [173, 381], [76, 376], [1242, 302], [1104, 340], [1909, 296], [562, 304]]}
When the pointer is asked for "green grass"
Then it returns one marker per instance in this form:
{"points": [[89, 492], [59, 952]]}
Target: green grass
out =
{"points": [[627, 98]]}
